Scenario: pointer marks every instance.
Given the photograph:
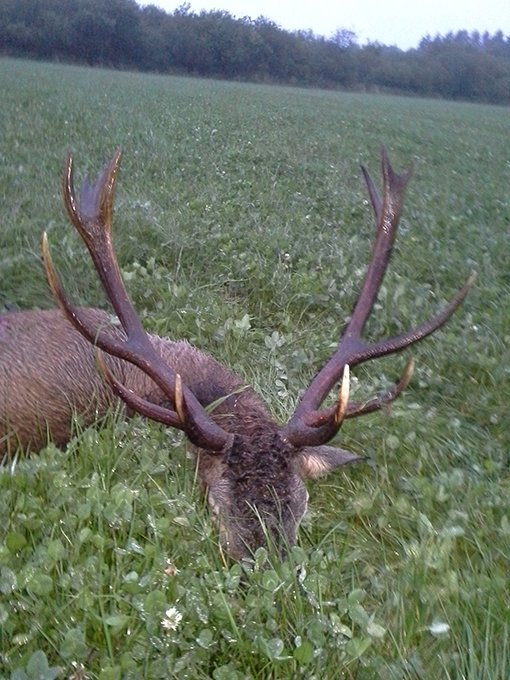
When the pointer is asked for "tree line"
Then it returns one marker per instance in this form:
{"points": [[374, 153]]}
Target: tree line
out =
{"points": [[121, 34]]}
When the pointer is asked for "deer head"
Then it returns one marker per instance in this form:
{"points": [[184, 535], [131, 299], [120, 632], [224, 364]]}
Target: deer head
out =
{"points": [[252, 468]]}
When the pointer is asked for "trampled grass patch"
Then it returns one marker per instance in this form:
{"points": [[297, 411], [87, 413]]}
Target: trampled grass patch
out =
{"points": [[242, 224]]}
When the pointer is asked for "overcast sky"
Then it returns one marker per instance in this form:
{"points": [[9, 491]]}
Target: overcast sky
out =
{"points": [[390, 22]]}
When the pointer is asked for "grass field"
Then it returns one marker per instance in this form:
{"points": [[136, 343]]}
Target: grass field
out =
{"points": [[242, 224]]}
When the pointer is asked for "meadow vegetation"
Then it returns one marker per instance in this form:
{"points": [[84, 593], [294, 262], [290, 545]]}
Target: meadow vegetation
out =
{"points": [[242, 224]]}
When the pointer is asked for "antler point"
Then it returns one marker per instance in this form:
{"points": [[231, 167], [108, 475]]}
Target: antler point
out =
{"points": [[179, 398], [343, 396]]}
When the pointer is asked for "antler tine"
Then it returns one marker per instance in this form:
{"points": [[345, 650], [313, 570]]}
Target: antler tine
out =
{"points": [[325, 424], [308, 424], [387, 213], [133, 401], [400, 342], [361, 408], [373, 193], [356, 409], [93, 221], [183, 418]]}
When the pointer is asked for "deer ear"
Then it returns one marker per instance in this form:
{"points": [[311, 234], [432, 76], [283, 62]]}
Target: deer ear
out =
{"points": [[317, 461]]}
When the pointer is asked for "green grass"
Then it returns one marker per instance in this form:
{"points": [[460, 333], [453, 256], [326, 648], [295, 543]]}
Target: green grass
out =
{"points": [[242, 224]]}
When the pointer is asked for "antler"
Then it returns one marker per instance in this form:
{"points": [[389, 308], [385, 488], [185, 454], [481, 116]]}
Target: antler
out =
{"points": [[311, 427], [308, 426], [93, 221]]}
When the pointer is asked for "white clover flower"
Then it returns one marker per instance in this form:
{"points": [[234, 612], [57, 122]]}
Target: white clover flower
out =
{"points": [[439, 628], [172, 619]]}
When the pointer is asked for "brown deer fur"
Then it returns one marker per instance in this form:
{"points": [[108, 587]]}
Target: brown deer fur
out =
{"points": [[48, 375]]}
